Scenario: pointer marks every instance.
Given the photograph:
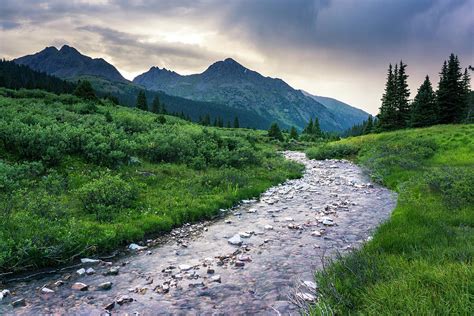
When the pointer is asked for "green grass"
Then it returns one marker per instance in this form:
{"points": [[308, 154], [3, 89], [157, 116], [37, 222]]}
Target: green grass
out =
{"points": [[76, 182], [420, 262]]}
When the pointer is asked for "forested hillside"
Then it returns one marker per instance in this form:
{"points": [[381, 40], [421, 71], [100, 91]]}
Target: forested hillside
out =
{"points": [[83, 177]]}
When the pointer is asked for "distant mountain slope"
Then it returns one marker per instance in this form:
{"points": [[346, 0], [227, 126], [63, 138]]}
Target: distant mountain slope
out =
{"points": [[345, 113], [127, 93], [14, 76], [228, 82], [68, 63]]}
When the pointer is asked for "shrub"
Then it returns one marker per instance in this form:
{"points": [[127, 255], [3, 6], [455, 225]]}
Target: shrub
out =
{"points": [[107, 196], [455, 185], [333, 151]]}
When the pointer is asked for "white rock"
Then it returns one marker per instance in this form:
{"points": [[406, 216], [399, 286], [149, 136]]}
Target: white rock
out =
{"points": [[216, 278], [90, 271], [87, 260], [289, 219], [316, 233], [81, 271], [327, 221], [268, 227], [244, 235], [252, 210], [46, 290], [235, 240], [135, 247], [4, 294], [185, 267], [306, 297]]}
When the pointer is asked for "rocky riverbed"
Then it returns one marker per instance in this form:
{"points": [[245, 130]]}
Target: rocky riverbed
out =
{"points": [[255, 260]]}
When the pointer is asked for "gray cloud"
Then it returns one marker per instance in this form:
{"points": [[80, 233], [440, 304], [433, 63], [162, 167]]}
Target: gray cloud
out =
{"points": [[335, 47]]}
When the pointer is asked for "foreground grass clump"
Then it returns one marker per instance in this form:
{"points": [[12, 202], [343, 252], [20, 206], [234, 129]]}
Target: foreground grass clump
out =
{"points": [[420, 262], [82, 178]]}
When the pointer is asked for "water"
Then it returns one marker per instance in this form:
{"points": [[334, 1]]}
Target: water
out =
{"points": [[275, 260]]}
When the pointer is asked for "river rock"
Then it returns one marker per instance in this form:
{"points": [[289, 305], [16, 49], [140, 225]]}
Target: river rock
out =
{"points": [[235, 240], [316, 233], [244, 235], [45, 290], [310, 285], [104, 286], [185, 267], [78, 286], [113, 271], [89, 261], [252, 210], [136, 247], [306, 297], [3, 294], [124, 299], [18, 303], [239, 263], [90, 271], [268, 227], [81, 271], [216, 278]]}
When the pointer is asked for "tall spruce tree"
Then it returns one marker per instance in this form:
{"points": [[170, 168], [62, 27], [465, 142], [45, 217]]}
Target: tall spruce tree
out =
{"points": [[236, 122], [387, 117], [368, 125], [293, 133], [141, 101], [424, 107], [452, 94], [85, 91], [402, 96], [156, 105], [275, 132]]}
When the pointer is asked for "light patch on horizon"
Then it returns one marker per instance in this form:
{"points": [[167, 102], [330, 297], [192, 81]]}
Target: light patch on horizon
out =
{"points": [[339, 49]]}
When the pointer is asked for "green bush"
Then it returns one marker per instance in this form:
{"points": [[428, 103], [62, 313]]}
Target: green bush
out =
{"points": [[332, 151], [107, 196], [454, 184]]}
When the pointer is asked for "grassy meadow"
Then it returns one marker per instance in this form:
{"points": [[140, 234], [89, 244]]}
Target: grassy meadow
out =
{"points": [[82, 178], [420, 262]]}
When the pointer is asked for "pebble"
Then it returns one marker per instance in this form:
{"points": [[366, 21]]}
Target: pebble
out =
{"points": [[46, 290], [185, 267], [104, 286], [239, 263], [216, 278], [3, 294], [81, 272], [89, 261], [18, 303], [78, 286], [244, 235], [90, 271], [136, 247], [124, 299], [235, 240], [268, 227], [316, 233], [113, 271], [306, 297]]}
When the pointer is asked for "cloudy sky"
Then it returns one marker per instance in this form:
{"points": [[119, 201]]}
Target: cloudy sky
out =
{"points": [[337, 48]]}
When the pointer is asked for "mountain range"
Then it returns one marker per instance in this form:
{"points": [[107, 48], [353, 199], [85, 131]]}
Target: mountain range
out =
{"points": [[226, 88]]}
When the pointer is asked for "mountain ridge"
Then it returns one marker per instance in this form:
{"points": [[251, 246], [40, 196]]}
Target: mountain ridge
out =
{"points": [[68, 63]]}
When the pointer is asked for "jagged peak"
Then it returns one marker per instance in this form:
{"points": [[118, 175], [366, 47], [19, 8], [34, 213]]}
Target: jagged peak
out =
{"points": [[68, 49]]}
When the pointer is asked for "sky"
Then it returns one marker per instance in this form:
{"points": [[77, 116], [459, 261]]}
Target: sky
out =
{"points": [[336, 48]]}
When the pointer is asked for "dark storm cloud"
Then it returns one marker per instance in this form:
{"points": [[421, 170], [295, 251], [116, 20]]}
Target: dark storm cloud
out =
{"points": [[313, 44]]}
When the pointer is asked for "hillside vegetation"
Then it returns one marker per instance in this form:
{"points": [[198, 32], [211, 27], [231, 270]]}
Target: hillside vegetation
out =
{"points": [[81, 178], [420, 262]]}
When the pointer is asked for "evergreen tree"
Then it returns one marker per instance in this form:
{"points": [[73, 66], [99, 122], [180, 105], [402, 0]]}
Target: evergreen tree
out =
{"points": [[317, 128], [163, 109], [85, 91], [207, 120], [402, 96], [309, 128], [275, 132], [236, 122], [216, 122], [387, 117], [368, 125], [452, 96], [293, 133], [156, 105], [424, 108], [141, 101], [228, 124], [220, 122]]}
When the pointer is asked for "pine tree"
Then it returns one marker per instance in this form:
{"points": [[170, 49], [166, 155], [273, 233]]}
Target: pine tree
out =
{"points": [[424, 108], [141, 101], [156, 105], [317, 128], [207, 120], [293, 133], [368, 125], [309, 128], [216, 122], [85, 91], [466, 87], [452, 96], [236, 122], [228, 125], [402, 96], [220, 122], [387, 116], [275, 132]]}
